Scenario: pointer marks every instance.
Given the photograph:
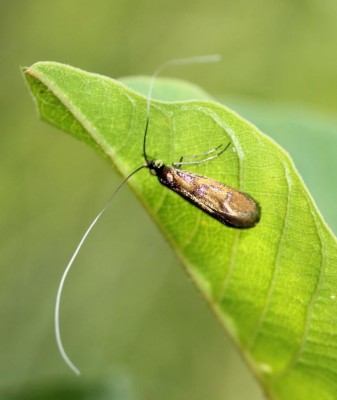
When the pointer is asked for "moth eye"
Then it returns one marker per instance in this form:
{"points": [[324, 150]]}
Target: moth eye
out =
{"points": [[158, 163], [153, 172]]}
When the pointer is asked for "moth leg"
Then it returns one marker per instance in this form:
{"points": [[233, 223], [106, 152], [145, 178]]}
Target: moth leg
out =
{"points": [[182, 162], [202, 154], [178, 165]]}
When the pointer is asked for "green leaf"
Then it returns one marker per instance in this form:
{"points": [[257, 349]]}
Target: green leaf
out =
{"points": [[273, 287]]}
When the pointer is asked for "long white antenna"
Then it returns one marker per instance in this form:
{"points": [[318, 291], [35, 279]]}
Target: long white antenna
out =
{"points": [[178, 61], [175, 61], [65, 273]]}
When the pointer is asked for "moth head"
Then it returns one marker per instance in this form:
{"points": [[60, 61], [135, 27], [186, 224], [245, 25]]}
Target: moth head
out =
{"points": [[155, 166]]}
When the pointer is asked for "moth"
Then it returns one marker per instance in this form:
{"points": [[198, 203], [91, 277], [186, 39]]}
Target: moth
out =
{"points": [[227, 205]]}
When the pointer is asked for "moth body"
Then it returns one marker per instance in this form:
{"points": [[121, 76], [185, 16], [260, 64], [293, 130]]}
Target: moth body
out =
{"points": [[229, 206]]}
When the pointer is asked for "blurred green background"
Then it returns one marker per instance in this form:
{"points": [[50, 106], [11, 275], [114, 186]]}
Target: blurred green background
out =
{"points": [[131, 320]]}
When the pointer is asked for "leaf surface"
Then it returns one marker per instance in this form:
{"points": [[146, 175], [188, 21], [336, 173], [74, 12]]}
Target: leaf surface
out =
{"points": [[272, 287]]}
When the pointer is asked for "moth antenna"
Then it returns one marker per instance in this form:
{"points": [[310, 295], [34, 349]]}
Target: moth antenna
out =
{"points": [[59, 342], [178, 61], [174, 61]]}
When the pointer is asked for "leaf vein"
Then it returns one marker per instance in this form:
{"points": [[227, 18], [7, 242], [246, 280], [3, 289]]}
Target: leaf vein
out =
{"points": [[277, 263]]}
